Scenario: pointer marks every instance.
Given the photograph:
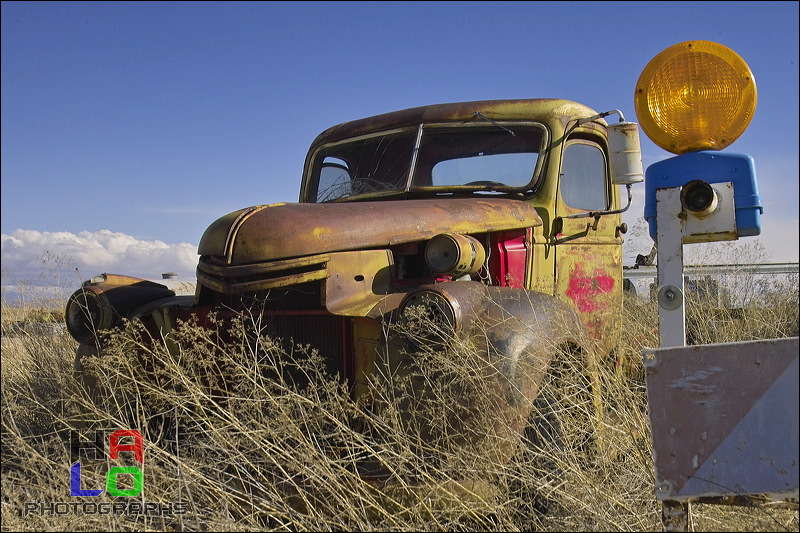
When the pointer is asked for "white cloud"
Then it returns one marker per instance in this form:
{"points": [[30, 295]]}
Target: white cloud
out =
{"points": [[28, 255]]}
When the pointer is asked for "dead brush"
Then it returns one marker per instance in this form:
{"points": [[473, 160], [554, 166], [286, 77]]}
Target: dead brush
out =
{"points": [[280, 444]]}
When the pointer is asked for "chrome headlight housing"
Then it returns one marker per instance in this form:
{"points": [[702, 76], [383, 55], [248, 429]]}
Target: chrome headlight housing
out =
{"points": [[430, 319], [454, 254]]}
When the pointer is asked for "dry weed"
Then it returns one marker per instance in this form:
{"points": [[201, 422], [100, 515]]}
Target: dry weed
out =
{"points": [[279, 444]]}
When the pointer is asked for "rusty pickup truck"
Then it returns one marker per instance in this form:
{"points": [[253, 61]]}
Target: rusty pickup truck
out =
{"points": [[494, 224]]}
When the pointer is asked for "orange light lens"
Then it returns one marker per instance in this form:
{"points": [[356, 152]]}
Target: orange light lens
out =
{"points": [[696, 95]]}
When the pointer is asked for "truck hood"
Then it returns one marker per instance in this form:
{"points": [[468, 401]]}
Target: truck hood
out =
{"points": [[283, 231]]}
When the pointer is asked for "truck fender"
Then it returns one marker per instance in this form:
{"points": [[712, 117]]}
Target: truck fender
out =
{"points": [[105, 301], [508, 337], [156, 313], [524, 331]]}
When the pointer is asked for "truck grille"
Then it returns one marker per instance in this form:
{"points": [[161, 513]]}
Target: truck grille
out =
{"points": [[213, 273], [300, 335]]}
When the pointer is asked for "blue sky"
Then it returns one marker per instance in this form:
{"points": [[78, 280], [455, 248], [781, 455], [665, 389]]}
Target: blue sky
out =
{"points": [[128, 127]]}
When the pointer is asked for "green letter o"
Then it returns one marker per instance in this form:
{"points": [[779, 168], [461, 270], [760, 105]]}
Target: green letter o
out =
{"points": [[111, 481]]}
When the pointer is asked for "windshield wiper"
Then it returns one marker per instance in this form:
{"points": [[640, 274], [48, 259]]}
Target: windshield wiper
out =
{"points": [[487, 119]]}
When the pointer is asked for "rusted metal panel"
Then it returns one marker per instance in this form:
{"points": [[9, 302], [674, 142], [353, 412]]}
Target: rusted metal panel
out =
{"points": [[309, 229], [266, 269], [102, 302], [357, 281], [276, 274], [590, 277], [222, 232], [261, 284], [724, 419], [541, 262], [366, 338]]}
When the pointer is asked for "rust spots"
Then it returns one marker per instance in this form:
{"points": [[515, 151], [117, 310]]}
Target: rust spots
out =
{"points": [[584, 290], [250, 236]]}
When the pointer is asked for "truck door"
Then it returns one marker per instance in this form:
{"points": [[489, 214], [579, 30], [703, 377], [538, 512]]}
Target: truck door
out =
{"points": [[588, 249]]}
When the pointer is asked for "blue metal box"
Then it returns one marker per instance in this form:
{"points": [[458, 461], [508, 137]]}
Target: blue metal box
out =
{"points": [[711, 167]]}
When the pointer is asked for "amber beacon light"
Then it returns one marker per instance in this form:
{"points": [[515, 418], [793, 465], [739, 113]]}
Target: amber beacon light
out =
{"points": [[696, 95]]}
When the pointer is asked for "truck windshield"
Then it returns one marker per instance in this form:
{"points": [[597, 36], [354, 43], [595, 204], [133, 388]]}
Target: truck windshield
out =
{"points": [[488, 159]]}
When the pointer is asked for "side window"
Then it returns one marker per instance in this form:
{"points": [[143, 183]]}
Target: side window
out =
{"points": [[583, 177], [334, 180]]}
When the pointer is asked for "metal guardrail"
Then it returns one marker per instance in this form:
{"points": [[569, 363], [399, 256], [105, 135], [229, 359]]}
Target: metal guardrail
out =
{"points": [[707, 270]]}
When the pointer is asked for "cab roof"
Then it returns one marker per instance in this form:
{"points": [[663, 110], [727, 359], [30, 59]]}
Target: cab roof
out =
{"points": [[536, 109]]}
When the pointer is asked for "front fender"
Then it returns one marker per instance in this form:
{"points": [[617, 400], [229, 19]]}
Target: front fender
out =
{"points": [[105, 301], [519, 332], [513, 325], [158, 316], [507, 337], [525, 329]]}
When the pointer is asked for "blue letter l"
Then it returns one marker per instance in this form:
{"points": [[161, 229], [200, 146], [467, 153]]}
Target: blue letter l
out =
{"points": [[75, 482]]}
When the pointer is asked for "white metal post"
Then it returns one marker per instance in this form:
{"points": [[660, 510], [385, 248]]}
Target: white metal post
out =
{"points": [[671, 309]]}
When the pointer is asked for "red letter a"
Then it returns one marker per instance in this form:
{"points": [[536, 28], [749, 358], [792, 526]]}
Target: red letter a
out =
{"points": [[116, 447]]}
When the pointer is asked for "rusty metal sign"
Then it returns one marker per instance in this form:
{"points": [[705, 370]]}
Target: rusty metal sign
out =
{"points": [[724, 420]]}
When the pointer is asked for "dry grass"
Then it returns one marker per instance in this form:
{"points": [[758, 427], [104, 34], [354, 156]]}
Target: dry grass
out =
{"points": [[281, 453]]}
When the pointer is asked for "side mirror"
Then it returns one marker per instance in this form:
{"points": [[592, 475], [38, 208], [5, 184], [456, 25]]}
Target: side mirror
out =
{"points": [[625, 153], [625, 158]]}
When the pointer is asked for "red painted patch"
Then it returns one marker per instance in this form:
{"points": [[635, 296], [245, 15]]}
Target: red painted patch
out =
{"points": [[584, 289]]}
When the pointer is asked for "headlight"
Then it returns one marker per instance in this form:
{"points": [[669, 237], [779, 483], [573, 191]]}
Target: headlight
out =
{"points": [[429, 318], [454, 255], [696, 95], [87, 313]]}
